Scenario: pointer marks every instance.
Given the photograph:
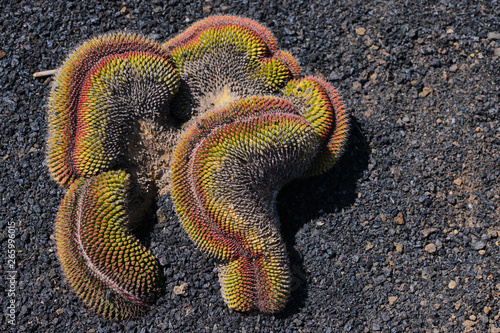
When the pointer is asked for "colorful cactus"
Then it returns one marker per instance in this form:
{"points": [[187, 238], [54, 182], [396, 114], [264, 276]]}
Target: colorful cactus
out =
{"points": [[225, 58], [102, 85], [245, 125], [227, 171], [107, 267]]}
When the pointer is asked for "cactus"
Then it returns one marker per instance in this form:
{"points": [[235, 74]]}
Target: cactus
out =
{"points": [[227, 171], [102, 85], [243, 123], [107, 267], [225, 58]]}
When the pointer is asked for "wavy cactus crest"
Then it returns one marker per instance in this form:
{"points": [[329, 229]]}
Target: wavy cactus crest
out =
{"points": [[227, 171], [243, 123], [225, 58], [320, 104], [108, 268], [101, 86]]}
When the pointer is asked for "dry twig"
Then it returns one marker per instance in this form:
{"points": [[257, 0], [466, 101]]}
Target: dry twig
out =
{"points": [[45, 73]]}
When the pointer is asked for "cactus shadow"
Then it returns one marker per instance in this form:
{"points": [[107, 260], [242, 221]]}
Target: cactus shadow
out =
{"points": [[307, 199]]}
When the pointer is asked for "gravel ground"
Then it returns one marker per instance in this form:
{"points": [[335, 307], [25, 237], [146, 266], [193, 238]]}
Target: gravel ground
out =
{"points": [[401, 236]]}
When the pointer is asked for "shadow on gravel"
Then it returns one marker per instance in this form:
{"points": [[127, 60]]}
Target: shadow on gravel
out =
{"points": [[307, 199]]}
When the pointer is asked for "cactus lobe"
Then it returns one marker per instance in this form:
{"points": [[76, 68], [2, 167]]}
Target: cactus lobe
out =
{"points": [[107, 267], [225, 58], [227, 171], [103, 84]]}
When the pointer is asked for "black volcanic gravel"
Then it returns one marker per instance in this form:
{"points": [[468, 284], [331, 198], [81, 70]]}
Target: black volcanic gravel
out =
{"points": [[401, 236]]}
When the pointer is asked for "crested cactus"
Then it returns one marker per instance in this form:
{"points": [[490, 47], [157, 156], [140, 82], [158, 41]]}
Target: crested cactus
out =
{"points": [[103, 84], [107, 267], [225, 121], [227, 171], [225, 58]]}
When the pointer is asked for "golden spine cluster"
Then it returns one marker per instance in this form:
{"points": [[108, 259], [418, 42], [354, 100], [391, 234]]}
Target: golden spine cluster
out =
{"points": [[246, 124]]}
